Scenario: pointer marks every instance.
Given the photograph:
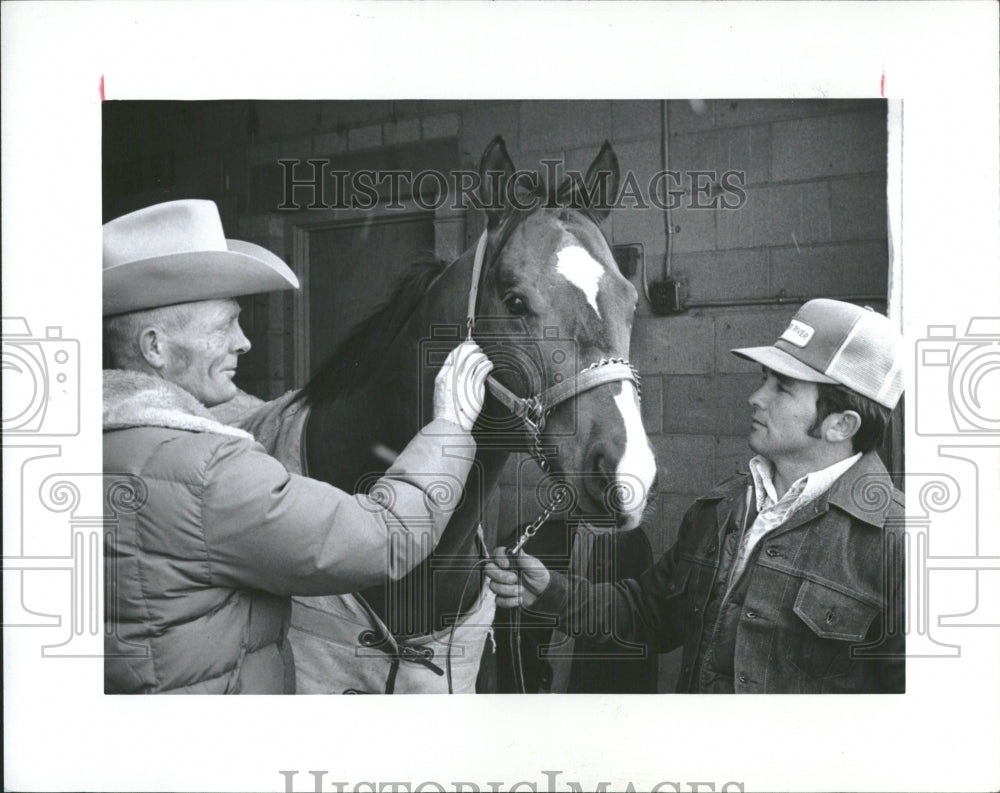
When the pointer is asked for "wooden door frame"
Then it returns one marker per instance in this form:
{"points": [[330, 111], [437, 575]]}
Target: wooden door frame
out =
{"points": [[449, 235]]}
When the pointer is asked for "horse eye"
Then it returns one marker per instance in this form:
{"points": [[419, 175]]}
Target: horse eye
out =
{"points": [[516, 305]]}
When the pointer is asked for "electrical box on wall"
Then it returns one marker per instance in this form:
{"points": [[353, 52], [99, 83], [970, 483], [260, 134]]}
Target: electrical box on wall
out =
{"points": [[665, 297]]}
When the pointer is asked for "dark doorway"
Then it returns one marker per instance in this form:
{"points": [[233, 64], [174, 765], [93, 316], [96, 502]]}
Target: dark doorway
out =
{"points": [[352, 269]]}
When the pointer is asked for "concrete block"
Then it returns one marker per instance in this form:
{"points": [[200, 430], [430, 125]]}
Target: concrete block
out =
{"points": [[860, 268], [718, 275], [441, 106], [283, 118], [652, 403], [401, 131], [829, 145], [564, 124], [633, 225], [530, 160], [328, 144], [351, 113], [368, 137], [442, 126], [686, 462], [481, 122], [744, 149], [575, 159], [695, 229], [644, 158], [752, 327], [299, 146], [405, 108], [673, 345], [778, 215], [858, 207], [635, 119], [732, 456], [710, 404], [683, 117]]}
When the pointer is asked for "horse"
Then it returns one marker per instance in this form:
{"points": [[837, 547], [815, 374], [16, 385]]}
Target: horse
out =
{"points": [[543, 297]]}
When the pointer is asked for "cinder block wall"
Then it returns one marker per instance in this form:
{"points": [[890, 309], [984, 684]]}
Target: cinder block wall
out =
{"points": [[813, 224]]}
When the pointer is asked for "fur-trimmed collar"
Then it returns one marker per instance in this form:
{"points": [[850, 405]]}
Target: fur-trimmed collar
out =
{"points": [[134, 399]]}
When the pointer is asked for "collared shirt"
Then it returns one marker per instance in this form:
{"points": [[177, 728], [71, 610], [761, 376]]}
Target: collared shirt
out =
{"points": [[773, 511]]}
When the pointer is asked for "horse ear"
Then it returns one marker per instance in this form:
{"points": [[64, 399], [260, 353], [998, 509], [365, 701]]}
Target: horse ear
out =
{"points": [[602, 181], [495, 168]]}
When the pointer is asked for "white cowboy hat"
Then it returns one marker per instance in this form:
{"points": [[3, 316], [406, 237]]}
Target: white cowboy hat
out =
{"points": [[176, 252]]}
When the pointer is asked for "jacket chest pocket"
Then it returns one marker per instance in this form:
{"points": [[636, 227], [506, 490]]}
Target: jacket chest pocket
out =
{"points": [[832, 622]]}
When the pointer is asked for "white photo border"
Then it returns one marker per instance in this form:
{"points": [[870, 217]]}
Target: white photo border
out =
{"points": [[939, 59]]}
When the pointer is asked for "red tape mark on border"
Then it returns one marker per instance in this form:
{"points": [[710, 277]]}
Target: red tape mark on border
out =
{"points": [[882, 87], [101, 88]]}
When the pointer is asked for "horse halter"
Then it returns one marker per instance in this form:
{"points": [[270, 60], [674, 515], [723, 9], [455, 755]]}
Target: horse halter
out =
{"points": [[533, 411]]}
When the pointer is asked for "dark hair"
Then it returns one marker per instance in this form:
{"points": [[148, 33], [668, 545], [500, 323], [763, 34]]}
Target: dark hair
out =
{"points": [[835, 398]]}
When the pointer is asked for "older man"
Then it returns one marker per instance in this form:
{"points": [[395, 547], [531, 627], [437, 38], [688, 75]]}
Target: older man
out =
{"points": [[789, 578], [201, 573]]}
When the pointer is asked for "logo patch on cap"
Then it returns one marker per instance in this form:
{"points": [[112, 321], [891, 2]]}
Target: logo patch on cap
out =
{"points": [[798, 333]]}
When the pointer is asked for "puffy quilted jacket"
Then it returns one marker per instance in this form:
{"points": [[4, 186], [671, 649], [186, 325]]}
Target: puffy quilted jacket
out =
{"points": [[200, 564]]}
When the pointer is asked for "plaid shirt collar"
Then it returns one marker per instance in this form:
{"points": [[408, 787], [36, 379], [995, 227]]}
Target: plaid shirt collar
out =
{"points": [[803, 490]]}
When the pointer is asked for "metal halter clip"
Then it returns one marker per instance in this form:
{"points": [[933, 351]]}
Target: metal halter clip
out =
{"points": [[533, 414]]}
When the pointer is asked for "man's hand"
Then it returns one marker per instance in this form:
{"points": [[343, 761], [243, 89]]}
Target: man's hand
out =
{"points": [[460, 386], [516, 580]]}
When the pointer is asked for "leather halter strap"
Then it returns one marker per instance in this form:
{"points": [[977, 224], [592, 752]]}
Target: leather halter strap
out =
{"points": [[477, 272], [535, 409]]}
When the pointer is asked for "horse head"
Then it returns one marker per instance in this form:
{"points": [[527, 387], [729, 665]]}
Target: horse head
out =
{"points": [[554, 314]]}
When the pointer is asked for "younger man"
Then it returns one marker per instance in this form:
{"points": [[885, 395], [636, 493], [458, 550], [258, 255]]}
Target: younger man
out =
{"points": [[787, 579]]}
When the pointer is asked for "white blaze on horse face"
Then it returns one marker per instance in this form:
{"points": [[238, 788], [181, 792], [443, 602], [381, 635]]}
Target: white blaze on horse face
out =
{"points": [[580, 268], [637, 468]]}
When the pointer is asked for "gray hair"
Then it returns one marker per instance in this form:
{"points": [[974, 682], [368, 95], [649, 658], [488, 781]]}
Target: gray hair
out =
{"points": [[121, 333]]}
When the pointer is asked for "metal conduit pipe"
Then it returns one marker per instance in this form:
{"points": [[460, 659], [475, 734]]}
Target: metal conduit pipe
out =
{"points": [[777, 301]]}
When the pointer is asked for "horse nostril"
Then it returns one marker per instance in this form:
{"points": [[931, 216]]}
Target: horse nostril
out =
{"points": [[597, 460], [598, 472]]}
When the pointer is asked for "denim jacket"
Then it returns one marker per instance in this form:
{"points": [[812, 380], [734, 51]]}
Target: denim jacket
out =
{"points": [[818, 609]]}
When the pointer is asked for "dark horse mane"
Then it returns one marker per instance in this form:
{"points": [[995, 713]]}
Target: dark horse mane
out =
{"points": [[353, 362]]}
